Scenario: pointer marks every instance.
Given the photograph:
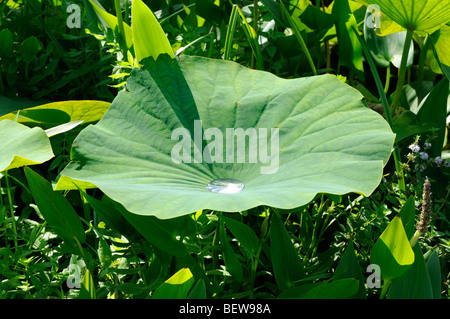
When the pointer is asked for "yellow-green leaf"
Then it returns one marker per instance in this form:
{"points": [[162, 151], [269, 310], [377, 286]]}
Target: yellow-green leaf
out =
{"points": [[176, 287], [392, 251], [425, 16], [149, 38]]}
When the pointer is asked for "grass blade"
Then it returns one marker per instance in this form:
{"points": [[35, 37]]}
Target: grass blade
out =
{"points": [[230, 32], [296, 29]]}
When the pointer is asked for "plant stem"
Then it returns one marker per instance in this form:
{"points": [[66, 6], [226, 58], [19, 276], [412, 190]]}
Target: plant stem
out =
{"points": [[385, 103], [384, 290], [255, 27], [121, 28], [215, 243], [388, 79], [11, 207], [299, 37], [402, 70]]}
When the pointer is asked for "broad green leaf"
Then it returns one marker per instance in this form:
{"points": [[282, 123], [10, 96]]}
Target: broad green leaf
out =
{"points": [[415, 284], [345, 288], [318, 20], [387, 49], [432, 114], [112, 22], [349, 267], [149, 39], [6, 40], [232, 264], [198, 291], [392, 251], [417, 15], [287, 266], [243, 233], [22, 146], [53, 114], [157, 232], [56, 210], [176, 287], [8, 105], [441, 39], [328, 141], [29, 48], [408, 214], [339, 289], [434, 272], [429, 114], [110, 215]]}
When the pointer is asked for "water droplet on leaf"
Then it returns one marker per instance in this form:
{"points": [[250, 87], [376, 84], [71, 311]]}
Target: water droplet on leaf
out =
{"points": [[225, 186]]}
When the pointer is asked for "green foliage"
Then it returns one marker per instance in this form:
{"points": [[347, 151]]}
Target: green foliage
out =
{"points": [[74, 237]]}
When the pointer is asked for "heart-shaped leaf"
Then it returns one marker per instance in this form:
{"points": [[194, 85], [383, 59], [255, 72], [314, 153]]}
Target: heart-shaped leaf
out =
{"points": [[306, 135], [416, 283], [392, 251]]}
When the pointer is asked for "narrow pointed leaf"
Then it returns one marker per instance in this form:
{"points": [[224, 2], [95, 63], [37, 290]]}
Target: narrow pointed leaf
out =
{"points": [[350, 51], [286, 262], [87, 289], [243, 233], [56, 209]]}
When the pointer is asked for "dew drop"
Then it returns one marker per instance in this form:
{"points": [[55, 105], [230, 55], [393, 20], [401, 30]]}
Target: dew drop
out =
{"points": [[225, 186]]}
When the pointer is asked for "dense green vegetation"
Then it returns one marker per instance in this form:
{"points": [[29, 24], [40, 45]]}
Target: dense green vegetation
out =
{"points": [[60, 239]]}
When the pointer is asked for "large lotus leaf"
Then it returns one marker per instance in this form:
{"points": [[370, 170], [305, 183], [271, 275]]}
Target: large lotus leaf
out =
{"points": [[424, 16], [327, 140], [440, 39], [21, 145]]}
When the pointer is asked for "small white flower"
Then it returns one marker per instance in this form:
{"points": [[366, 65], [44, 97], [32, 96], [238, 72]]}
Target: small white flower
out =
{"points": [[427, 145], [447, 163], [414, 148], [438, 160], [423, 156], [419, 167]]}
